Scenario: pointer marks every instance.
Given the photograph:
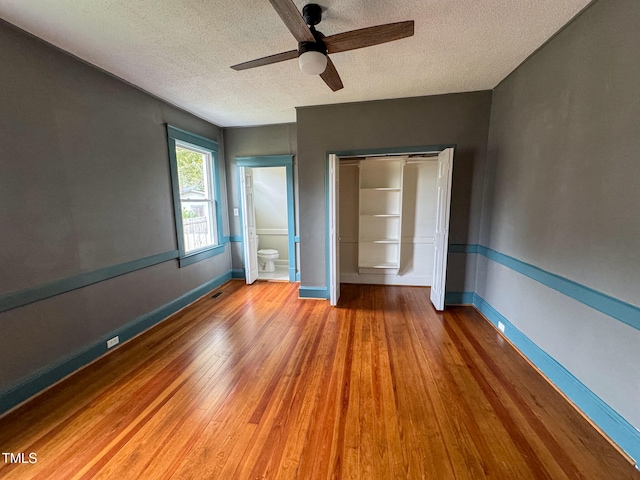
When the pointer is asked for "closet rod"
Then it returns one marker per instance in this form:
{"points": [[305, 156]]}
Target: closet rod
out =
{"points": [[353, 162], [426, 159]]}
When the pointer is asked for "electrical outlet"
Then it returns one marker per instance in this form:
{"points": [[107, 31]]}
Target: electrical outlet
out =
{"points": [[501, 326], [113, 342], [235, 212]]}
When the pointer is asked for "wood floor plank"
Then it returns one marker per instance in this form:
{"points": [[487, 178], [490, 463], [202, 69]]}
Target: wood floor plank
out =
{"points": [[455, 422], [570, 438], [280, 410], [427, 452], [289, 464], [86, 387], [470, 413], [318, 450], [257, 383], [263, 354]]}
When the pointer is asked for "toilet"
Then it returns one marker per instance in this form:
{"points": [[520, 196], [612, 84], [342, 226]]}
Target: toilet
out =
{"points": [[266, 257]]}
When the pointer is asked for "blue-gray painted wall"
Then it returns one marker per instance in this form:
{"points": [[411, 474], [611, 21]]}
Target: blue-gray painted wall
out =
{"points": [[84, 188], [562, 195]]}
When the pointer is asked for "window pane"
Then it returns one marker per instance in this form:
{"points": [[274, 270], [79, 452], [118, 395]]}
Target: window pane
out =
{"points": [[198, 219], [191, 173], [198, 225]]}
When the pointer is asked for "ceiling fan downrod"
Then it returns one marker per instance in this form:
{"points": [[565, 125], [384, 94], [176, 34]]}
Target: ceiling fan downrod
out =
{"points": [[312, 14]]}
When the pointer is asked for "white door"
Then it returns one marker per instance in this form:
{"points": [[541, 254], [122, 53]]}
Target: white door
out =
{"points": [[443, 189], [250, 239], [334, 230]]}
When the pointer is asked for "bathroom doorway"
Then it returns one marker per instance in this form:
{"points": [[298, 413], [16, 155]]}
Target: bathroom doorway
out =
{"points": [[267, 217]]}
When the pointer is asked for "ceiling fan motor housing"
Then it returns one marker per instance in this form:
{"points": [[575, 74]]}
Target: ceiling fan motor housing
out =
{"points": [[317, 46]]}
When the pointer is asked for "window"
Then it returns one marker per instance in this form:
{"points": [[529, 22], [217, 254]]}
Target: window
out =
{"points": [[197, 203], [194, 179]]}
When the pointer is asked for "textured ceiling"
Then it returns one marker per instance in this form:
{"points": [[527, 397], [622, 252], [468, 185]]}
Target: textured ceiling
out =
{"points": [[181, 50]]}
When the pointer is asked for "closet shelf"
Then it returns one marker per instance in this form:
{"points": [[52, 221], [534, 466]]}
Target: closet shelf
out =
{"points": [[380, 265], [393, 241], [380, 221]]}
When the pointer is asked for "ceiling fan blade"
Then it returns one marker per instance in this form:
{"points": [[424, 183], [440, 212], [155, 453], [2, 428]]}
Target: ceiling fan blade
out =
{"points": [[259, 62], [292, 18], [331, 77], [366, 37]]}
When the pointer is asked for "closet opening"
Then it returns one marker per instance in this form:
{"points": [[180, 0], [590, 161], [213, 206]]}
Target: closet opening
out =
{"points": [[389, 220]]}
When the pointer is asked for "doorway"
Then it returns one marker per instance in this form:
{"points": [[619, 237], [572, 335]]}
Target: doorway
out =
{"points": [[378, 245], [267, 217]]}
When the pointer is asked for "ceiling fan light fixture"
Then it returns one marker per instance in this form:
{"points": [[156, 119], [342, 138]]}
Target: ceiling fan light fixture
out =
{"points": [[312, 62]]}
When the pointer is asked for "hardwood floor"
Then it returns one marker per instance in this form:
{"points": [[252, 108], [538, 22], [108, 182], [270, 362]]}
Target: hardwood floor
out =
{"points": [[259, 384]]}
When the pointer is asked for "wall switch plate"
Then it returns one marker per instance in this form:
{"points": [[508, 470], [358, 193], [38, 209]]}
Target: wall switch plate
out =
{"points": [[235, 212], [501, 326], [113, 342]]}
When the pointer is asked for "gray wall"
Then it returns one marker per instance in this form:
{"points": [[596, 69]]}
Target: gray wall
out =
{"points": [[562, 193], [461, 119], [248, 142], [84, 185]]}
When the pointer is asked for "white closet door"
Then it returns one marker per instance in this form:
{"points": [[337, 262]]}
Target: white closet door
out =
{"points": [[334, 229], [445, 169], [249, 225]]}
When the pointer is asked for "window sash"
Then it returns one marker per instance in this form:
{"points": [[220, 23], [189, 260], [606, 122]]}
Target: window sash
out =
{"points": [[199, 232], [207, 166]]}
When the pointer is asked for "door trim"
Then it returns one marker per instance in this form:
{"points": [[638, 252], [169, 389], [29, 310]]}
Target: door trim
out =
{"points": [[334, 229]]}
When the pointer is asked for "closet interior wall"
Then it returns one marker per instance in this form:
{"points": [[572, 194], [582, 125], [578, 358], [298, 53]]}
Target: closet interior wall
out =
{"points": [[366, 205]]}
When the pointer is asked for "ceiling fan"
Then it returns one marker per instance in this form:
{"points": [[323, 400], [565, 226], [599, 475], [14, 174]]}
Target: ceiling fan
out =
{"points": [[313, 46]]}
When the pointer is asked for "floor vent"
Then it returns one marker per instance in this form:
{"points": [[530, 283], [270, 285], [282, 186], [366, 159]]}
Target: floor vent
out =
{"points": [[217, 294]]}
